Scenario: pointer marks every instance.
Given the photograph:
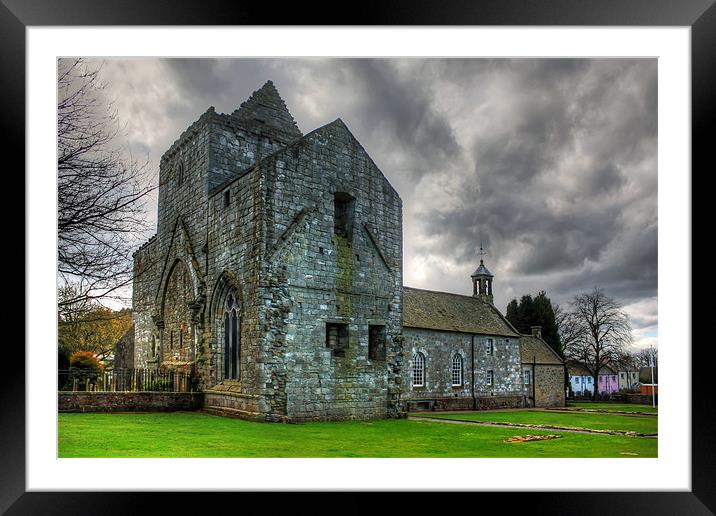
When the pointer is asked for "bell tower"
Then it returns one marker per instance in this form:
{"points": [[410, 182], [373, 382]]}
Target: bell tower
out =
{"points": [[482, 281]]}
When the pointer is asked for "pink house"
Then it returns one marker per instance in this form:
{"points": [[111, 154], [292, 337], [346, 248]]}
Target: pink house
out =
{"points": [[608, 381]]}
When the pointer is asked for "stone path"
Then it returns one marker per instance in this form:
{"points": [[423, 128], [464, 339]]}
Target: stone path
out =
{"points": [[534, 427], [602, 411]]}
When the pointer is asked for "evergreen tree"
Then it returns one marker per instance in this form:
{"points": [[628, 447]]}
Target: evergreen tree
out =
{"points": [[513, 311], [537, 311]]}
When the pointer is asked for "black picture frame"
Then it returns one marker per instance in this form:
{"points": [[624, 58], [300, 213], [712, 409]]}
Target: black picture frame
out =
{"points": [[17, 15]]}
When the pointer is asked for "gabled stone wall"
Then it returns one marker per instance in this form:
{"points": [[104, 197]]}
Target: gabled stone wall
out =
{"points": [[315, 276]]}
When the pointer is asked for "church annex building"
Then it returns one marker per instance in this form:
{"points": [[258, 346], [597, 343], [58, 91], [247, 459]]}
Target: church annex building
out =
{"points": [[275, 278]]}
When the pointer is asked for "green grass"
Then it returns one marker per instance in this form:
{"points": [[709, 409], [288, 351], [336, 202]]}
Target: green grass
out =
{"points": [[195, 434], [622, 407], [576, 419]]}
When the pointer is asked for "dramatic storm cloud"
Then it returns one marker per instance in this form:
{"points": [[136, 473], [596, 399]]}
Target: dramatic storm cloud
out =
{"points": [[550, 163]]}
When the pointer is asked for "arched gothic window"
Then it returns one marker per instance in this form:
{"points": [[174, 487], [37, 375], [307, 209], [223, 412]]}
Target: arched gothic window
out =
{"points": [[418, 370], [457, 369], [231, 332]]}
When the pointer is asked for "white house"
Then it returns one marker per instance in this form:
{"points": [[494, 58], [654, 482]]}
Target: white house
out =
{"points": [[580, 380]]}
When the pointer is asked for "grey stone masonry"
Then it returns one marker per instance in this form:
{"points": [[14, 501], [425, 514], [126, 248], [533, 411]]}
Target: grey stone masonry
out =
{"points": [[491, 369], [269, 245]]}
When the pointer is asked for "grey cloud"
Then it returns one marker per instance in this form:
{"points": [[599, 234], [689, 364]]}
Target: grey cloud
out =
{"points": [[551, 163], [601, 113]]}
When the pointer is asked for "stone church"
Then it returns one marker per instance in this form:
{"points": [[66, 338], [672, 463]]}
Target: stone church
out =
{"points": [[275, 278]]}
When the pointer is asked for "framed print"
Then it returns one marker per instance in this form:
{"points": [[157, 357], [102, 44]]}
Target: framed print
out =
{"points": [[366, 253]]}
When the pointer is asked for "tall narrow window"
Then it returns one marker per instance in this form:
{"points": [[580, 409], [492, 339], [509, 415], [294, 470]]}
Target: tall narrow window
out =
{"points": [[232, 339], [418, 370], [489, 346], [376, 342], [527, 374], [235, 342], [227, 347], [456, 370], [343, 204], [227, 198], [180, 173], [337, 338], [489, 377]]}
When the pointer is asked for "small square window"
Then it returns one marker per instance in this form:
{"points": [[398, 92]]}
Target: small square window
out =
{"points": [[337, 338]]}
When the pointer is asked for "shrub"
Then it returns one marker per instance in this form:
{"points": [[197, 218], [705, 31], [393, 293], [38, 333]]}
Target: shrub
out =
{"points": [[158, 384], [85, 360], [84, 366]]}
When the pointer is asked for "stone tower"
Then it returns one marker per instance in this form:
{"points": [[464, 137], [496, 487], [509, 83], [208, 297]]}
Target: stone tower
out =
{"points": [[275, 275], [482, 282]]}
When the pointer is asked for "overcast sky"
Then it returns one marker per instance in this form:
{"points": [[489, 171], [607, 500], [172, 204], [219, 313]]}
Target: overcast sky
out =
{"points": [[551, 163]]}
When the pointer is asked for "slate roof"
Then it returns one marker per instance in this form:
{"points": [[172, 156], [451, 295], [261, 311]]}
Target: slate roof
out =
{"points": [[481, 271], [607, 369], [452, 312], [535, 350], [575, 369]]}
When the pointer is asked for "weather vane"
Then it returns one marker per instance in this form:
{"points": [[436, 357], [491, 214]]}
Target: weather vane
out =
{"points": [[482, 252]]}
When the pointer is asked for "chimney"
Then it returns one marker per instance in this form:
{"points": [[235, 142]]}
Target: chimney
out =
{"points": [[537, 331]]}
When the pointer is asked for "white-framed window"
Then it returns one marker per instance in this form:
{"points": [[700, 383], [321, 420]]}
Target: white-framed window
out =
{"points": [[589, 379], [456, 370], [489, 346], [576, 380], [527, 374], [418, 370], [489, 377]]}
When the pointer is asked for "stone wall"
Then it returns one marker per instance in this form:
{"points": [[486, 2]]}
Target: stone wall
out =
{"points": [[641, 399], [549, 386], [146, 278], [128, 401], [439, 348], [316, 276], [124, 351]]}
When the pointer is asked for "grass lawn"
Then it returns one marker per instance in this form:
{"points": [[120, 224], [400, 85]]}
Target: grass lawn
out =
{"points": [[621, 407], [576, 419], [196, 434]]}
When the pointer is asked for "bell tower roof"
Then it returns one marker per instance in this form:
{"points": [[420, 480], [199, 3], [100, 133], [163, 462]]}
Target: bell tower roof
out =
{"points": [[482, 271]]}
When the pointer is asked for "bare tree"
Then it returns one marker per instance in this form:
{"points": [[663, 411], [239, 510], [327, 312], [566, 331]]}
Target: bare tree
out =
{"points": [[595, 331], [101, 191], [642, 357]]}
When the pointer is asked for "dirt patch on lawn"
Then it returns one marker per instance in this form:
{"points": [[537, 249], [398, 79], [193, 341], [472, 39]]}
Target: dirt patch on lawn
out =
{"points": [[529, 438]]}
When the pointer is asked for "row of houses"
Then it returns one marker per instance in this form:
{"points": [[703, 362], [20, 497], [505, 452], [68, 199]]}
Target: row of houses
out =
{"points": [[611, 380]]}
